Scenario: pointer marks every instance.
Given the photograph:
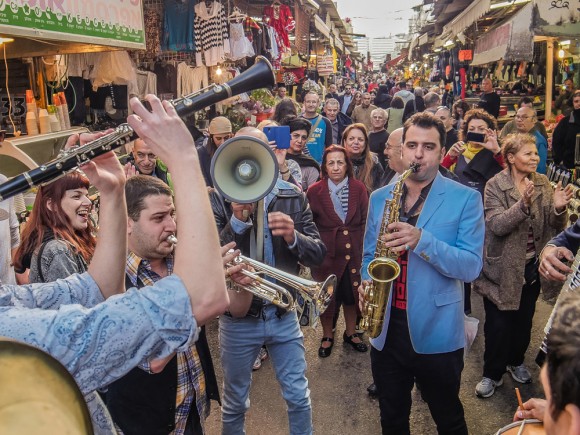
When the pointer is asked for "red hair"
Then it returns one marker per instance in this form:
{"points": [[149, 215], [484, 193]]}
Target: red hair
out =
{"points": [[42, 218]]}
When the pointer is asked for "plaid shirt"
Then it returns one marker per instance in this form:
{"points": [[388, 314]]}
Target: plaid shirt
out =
{"points": [[190, 378]]}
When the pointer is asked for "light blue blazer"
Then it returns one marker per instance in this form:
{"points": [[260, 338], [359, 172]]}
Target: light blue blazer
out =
{"points": [[449, 252]]}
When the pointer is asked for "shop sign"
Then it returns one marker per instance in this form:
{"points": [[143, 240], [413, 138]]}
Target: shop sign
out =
{"points": [[557, 17], [107, 22], [325, 65]]}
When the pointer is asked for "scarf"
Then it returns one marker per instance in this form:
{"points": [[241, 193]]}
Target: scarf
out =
{"points": [[469, 153]]}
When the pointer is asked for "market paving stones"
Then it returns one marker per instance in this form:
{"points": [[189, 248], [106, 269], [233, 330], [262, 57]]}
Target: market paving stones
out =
{"points": [[338, 389]]}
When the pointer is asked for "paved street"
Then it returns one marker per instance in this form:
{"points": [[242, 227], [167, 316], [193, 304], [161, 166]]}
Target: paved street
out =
{"points": [[338, 387]]}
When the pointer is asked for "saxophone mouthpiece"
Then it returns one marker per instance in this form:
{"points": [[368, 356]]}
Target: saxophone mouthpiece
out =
{"points": [[415, 166], [172, 239]]}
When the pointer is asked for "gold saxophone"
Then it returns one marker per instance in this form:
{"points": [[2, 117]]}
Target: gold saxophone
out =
{"points": [[383, 269]]}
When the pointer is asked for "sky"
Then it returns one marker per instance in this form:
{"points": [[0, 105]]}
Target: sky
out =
{"points": [[377, 18]]}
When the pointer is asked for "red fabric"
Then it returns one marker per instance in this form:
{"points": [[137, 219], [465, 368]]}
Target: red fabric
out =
{"points": [[448, 161], [332, 233], [283, 24], [399, 299], [348, 61]]}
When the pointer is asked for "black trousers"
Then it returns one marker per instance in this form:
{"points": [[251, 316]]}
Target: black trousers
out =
{"points": [[395, 369], [507, 333]]}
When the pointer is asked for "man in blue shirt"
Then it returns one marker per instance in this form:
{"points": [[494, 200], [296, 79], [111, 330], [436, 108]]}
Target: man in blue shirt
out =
{"points": [[100, 340], [321, 133]]}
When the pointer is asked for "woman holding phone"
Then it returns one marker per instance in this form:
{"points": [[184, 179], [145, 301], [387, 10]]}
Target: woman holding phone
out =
{"points": [[475, 159]]}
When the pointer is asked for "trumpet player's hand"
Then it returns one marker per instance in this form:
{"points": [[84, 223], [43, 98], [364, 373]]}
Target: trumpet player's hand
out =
{"points": [[243, 211], [282, 225], [163, 130], [533, 408], [361, 292], [233, 271], [402, 237], [562, 196], [551, 265]]}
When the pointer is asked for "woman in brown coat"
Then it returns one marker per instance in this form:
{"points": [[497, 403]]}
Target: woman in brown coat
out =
{"points": [[339, 206], [522, 213]]}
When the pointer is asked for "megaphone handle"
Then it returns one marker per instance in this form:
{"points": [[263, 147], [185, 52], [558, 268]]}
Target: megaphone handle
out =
{"points": [[260, 231]]}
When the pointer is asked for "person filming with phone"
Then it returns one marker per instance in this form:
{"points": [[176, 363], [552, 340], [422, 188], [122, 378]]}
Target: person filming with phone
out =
{"points": [[475, 159]]}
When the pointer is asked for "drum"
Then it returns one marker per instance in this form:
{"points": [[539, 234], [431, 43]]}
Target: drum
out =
{"points": [[524, 427]]}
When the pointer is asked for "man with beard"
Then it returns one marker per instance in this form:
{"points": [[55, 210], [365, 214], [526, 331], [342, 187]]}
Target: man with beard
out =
{"points": [[172, 394]]}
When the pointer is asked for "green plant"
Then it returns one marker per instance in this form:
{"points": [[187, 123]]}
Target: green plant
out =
{"points": [[264, 97]]}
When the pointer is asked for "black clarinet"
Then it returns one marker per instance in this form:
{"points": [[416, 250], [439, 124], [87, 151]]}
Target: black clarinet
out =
{"points": [[259, 75]]}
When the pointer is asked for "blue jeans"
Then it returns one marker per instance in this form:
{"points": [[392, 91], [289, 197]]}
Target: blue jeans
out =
{"points": [[240, 342]]}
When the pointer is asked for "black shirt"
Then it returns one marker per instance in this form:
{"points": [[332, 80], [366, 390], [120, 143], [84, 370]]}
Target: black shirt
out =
{"points": [[377, 141], [490, 103]]}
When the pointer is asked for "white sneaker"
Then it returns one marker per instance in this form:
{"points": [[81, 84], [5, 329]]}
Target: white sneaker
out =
{"points": [[486, 387], [262, 355], [520, 374]]}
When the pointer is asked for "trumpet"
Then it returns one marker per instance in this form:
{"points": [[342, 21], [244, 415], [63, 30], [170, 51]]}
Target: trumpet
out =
{"points": [[318, 294]]}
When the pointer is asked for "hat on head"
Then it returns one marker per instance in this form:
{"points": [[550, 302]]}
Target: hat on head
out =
{"points": [[220, 125]]}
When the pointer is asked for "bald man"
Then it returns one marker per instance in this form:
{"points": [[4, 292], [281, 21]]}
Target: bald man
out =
{"points": [[526, 119], [489, 100], [290, 237]]}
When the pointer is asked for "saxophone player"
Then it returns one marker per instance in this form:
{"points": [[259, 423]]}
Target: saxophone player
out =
{"points": [[439, 241]]}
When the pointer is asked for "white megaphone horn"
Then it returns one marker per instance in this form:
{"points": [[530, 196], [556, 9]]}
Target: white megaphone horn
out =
{"points": [[244, 169]]}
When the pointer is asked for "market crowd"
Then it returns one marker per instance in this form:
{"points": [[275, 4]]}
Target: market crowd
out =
{"points": [[477, 214]]}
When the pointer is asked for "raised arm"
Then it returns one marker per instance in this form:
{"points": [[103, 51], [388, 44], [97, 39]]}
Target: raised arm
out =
{"points": [[197, 258], [107, 266]]}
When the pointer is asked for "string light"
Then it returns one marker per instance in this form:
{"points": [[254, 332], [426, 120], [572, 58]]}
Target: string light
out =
{"points": [[218, 71]]}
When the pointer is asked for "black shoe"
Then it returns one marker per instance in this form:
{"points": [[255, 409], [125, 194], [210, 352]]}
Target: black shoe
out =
{"points": [[360, 347], [373, 390], [323, 352]]}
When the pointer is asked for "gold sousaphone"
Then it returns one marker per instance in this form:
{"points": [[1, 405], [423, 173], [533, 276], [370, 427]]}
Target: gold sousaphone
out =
{"points": [[38, 396]]}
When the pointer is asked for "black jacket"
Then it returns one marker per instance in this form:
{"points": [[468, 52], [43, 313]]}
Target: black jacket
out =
{"points": [[144, 403], [309, 249], [343, 121], [564, 139]]}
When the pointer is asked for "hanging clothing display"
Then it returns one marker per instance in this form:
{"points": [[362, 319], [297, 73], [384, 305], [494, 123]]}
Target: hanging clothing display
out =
{"points": [[190, 79], [152, 23], [280, 18], [113, 67], [240, 45], [146, 83], [178, 31], [211, 34]]}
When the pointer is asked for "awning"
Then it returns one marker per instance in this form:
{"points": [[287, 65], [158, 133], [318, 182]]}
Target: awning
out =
{"points": [[509, 41], [321, 26], [549, 20], [423, 39], [474, 12], [393, 62]]}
